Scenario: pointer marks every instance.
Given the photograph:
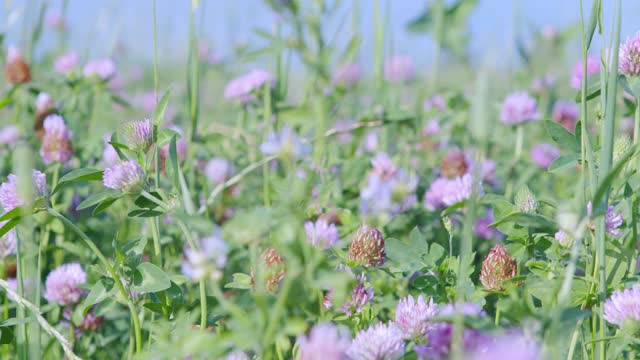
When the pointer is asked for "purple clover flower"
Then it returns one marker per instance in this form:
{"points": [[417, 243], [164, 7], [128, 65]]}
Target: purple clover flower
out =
{"points": [[65, 63], [399, 68], [381, 341], [208, 261], [346, 75], [360, 296], [629, 56], [285, 143], [325, 342], [441, 335], [612, 220], [9, 135], [412, 317], [321, 233], [62, 284], [565, 113], [242, 88], [56, 142], [544, 154], [623, 307], [138, 135], [102, 68], [8, 242], [218, 170], [9, 196], [593, 67], [518, 108], [126, 176]]}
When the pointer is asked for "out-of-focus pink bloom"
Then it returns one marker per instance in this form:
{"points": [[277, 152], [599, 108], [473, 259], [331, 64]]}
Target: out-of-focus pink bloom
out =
{"points": [[549, 31], [431, 128], [613, 221], [44, 102], [593, 67], [381, 341], [399, 68], [436, 102], [565, 113], [482, 229], [66, 63], [623, 307], [9, 135], [126, 176], [540, 84], [242, 88], [544, 154], [55, 20], [346, 75], [321, 233], [9, 196], [102, 68], [519, 107], [325, 342], [56, 142]]}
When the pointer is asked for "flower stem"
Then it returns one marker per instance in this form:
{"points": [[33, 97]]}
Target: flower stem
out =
{"points": [[112, 272]]}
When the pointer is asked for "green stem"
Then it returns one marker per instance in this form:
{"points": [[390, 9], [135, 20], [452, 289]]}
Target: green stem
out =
{"points": [[203, 306], [119, 282], [155, 55]]}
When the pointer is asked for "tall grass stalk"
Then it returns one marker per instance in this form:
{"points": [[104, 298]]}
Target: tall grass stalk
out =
{"points": [[606, 157]]}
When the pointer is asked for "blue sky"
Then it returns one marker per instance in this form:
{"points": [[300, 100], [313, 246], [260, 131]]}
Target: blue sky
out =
{"points": [[96, 24]]}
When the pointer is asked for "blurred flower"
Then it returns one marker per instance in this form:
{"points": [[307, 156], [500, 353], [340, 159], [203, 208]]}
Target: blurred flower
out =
{"points": [[514, 346], [431, 128], [370, 141], [549, 31], [148, 102], [593, 67], [9, 135], [62, 284], [346, 75], [242, 88], [16, 69], [9, 196], [565, 113], [359, 297], [629, 56], [7, 242], [623, 308], [497, 267], [218, 170], [181, 147], [412, 317], [563, 238], [613, 221], [381, 341], [274, 268], [109, 154], [519, 107], [44, 102], [398, 68], [382, 166], [525, 201], [90, 322], [440, 337], [237, 355], [367, 247], [102, 68], [126, 176], [540, 84], [55, 20], [321, 233], [207, 55], [388, 191], [454, 164], [325, 342], [436, 102], [66, 62], [56, 141], [482, 229], [137, 135], [544, 154], [284, 143], [208, 261]]}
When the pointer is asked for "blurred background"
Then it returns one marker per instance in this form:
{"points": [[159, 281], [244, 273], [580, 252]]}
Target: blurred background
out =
{"points": [[105, 27]]}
